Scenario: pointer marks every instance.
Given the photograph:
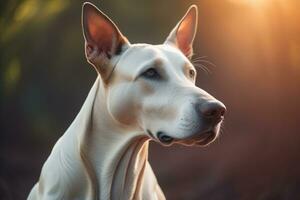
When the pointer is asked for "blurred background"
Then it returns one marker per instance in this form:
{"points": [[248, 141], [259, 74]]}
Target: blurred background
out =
{"points": [[252, 51]]}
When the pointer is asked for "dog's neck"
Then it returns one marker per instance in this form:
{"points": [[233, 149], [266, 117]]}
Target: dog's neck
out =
{"points": [[113, 154]]}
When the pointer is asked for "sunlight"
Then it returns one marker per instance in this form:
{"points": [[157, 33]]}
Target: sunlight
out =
{"points": [[275, 23], [251, 2]]}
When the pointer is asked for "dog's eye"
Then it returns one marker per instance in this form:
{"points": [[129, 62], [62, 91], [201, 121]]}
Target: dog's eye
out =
{"points": [[192, 73], [151, 74]]}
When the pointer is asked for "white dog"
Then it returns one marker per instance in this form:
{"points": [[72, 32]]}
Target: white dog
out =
{"points": [[143, 92]]}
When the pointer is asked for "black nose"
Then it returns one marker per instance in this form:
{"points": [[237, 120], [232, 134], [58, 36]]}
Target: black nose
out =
{"points": [[213, 110]]}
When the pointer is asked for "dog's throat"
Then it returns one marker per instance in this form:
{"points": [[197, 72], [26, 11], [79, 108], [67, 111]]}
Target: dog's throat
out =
{"points": [[117, 158], [120, 173], [129, 171]]}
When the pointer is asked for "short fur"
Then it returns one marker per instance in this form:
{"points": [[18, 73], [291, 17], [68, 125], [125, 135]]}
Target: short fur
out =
{"points": [[143, 92]]}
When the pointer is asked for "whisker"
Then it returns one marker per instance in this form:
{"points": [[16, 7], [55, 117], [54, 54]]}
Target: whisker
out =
{"points": [[200, 57], [199, 62], [206, 68], [208, 62], [203, 67], [205, 61]]}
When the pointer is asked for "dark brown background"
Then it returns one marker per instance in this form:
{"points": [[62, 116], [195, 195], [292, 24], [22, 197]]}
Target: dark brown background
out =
{"points": [[254, 45]]}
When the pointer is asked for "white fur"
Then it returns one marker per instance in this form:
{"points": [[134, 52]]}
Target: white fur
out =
{"points": [[104, 153]]}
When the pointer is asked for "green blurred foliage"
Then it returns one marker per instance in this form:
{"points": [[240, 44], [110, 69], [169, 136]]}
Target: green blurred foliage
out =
{"points": [[42, 56]]}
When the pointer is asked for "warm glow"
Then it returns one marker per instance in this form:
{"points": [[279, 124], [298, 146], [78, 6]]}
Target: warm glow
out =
{"points": [[251, 2]]}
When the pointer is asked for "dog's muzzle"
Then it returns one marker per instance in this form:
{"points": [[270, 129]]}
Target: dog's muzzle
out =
{"points": [[212, 113]]}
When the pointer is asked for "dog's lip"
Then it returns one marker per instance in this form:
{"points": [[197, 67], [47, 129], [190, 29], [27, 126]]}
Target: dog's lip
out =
{"points": [[202, 139], [206, 139]]}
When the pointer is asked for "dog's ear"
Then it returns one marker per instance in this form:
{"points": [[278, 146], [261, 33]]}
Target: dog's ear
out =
{"points": [[103, 40], [182, 36]]}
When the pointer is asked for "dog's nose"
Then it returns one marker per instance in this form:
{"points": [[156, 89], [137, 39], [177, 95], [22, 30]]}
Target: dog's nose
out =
{"points": [[213, 110]]}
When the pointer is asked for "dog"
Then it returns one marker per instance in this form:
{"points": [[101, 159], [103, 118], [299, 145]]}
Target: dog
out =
{"points": [[142, 92]]}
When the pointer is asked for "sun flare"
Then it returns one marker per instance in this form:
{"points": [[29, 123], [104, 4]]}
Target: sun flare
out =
{"points": [[250, 2]]}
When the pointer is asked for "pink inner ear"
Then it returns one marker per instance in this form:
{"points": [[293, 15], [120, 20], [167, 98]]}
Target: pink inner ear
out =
{"points": [[100, 32], [185, 33], [184, 39]]}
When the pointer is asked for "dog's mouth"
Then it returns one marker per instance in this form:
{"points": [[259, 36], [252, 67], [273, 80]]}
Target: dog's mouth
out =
{"points": [[202, 139]]}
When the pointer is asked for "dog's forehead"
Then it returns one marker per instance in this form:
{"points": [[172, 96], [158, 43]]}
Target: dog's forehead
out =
{"points": [[139, 55]]}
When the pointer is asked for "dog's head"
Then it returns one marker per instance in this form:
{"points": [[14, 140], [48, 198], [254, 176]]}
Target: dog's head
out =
{"points": [[152, 87]]}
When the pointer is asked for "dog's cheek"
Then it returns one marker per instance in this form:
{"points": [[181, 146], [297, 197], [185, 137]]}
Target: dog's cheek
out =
{"points": [[122, 105]]}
